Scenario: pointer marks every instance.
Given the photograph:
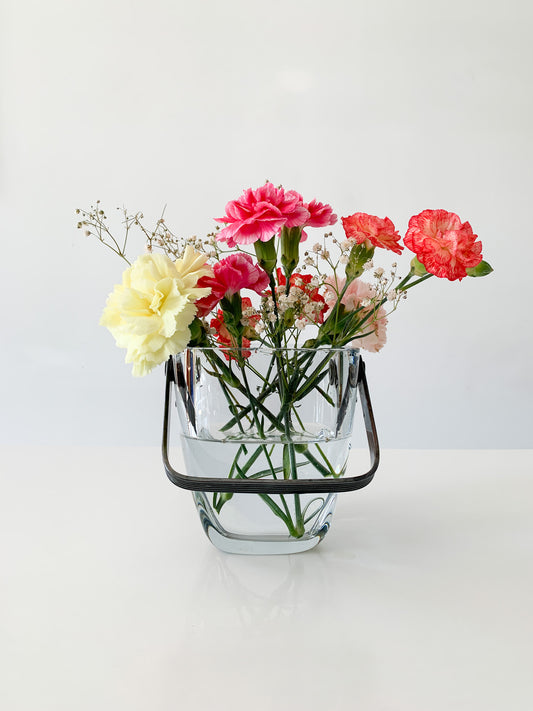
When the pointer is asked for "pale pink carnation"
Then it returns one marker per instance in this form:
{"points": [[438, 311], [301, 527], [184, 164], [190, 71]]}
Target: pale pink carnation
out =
{"points": [[356, 292], [260, 214], [230, 275]]}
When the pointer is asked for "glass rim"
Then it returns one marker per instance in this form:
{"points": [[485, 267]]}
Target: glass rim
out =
{"points": [[271, 349]]}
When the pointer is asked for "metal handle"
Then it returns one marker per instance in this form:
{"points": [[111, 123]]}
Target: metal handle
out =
{"points": [[277, 486]]}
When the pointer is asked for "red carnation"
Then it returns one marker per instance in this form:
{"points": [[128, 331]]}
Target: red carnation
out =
{"points": [[379, 232], [446, 246]]}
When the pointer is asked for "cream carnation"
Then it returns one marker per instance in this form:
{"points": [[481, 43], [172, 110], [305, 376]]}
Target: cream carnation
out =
{"points": [[150, 312], [192, 267]]}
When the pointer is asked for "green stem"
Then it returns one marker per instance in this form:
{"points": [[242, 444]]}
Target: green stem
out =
{"points": [[414, 283], [328, 464], [293, 529], [317, 465], [254, 411], [292, 383]]}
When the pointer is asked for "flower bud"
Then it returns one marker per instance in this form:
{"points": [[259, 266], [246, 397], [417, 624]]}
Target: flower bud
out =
{"points": [[266, 254], [417, 268], [360, 254], [290, 245], [232, 309]]}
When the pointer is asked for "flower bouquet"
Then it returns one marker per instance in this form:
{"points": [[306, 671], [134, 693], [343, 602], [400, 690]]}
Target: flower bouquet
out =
{"points": [[261, 329]]}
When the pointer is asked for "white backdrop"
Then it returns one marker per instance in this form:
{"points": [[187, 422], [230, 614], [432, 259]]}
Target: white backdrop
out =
{"points": [[383, 107]]}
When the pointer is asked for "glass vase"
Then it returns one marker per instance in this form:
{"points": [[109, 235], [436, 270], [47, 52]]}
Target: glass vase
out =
{"points": [[265, 436]]}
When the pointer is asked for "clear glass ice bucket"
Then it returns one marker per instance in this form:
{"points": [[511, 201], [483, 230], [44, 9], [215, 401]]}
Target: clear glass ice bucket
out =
{"points": [[265, 436]]}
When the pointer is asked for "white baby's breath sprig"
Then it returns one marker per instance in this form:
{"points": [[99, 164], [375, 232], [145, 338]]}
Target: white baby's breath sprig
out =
{"points": [[94, 222]]}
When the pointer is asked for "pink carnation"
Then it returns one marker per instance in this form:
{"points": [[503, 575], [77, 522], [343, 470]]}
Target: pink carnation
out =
{"points": [[260, 214], [446, 246], [230, 275], [357, 291], [320, 215], [379, 232]]}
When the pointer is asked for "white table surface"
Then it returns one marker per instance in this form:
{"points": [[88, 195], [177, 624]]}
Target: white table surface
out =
{"points": [[419, 599]]}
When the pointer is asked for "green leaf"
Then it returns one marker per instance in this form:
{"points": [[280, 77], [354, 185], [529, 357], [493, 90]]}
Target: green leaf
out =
{"points": [[197, 334], [226, 374], [481, 270], [220, 499]]}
